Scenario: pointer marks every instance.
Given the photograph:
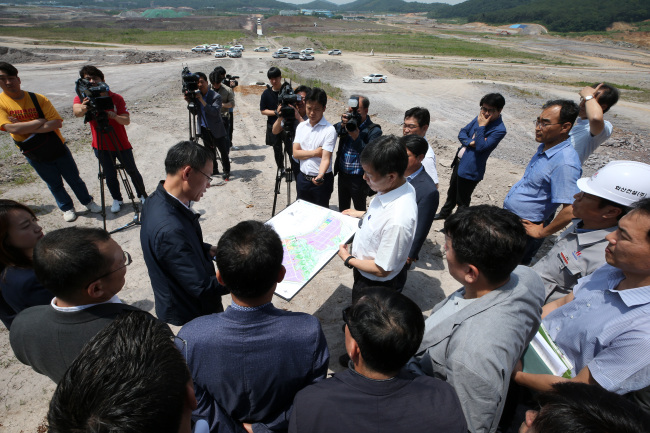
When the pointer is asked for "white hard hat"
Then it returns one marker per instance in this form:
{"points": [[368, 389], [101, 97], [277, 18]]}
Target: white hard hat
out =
{"points": [[623, 182]]}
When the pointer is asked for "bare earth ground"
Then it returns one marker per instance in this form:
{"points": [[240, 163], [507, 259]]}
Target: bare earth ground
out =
{"points": [[449, 87]]}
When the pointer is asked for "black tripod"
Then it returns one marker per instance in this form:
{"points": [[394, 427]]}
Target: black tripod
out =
{"points": [[105, 135], [287, 172]]}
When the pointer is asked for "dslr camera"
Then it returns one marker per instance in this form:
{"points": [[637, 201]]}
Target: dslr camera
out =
{"points": [[288, 99], [353, 118]]}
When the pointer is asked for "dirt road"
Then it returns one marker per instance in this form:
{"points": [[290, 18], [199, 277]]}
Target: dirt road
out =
{"points": [[159, 119]]}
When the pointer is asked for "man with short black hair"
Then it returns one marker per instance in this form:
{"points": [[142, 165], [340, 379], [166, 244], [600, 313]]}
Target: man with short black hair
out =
{"points": [[474, 338], [213, 131], [426, 193], [34, 124], [603, 326], [84, 268], [145, 388], [550, 177], [416, 122], [217, 76], [180, 264], [590, 129], [351, 186], [109, 147], [268, 108], [576, 407], [478, 139], [383, 329], [381, 247], [313, 146], [250, 361]]}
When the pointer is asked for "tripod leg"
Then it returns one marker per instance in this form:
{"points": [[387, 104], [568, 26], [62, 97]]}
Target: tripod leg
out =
{"points": [[276, 190]]}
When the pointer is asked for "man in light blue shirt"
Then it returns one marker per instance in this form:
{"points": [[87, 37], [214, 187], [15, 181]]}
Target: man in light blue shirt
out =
{"points": [[550, 177], [604, 325]]}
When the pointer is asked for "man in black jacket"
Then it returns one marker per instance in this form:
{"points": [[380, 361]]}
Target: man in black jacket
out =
{"points": [[180, 267], [352, 187]]}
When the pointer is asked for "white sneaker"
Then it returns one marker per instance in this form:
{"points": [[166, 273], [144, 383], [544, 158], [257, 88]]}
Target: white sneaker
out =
{"points": [[94, 207], [142, 199], [69, 215], [115, 207]]}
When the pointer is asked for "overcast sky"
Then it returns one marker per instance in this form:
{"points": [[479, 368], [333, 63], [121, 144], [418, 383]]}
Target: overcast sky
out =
{"points": [[340, 2]]}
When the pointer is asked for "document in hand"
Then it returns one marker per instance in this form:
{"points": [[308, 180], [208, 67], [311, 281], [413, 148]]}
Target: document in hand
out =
{"points": [[542, 356]]}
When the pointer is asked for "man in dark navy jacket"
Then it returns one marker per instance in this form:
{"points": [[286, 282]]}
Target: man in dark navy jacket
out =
{"points": [[478, 139], [182, 274]]}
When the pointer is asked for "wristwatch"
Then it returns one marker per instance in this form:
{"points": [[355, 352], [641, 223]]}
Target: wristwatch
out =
{"points": [[589, 97], [347, 261]]}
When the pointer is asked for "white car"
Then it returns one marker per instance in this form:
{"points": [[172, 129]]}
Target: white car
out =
{"points": [[375, 78], [214, 47], [261, 49], [200, 49], [334, 52], [239, 47], [308, 51], [220, 53], [233, 53], [305, 56], [285, 49]]}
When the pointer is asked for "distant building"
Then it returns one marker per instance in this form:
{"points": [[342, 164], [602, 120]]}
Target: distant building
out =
{"points": [[288, 13]]}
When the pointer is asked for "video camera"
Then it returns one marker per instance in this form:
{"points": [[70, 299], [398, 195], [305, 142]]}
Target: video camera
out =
{"points": [[288, 99], [231, 81], [190, 82], [353, 118], [93, 91]]}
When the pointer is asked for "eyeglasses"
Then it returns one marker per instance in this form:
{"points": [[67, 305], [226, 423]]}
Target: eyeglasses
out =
{"points": [[489, 110], [410, 127], [584, 195], [208, 177], [127, 262], [543, 125]]}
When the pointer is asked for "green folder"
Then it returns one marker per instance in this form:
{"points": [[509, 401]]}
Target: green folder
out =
{"points": [[543, 356]]}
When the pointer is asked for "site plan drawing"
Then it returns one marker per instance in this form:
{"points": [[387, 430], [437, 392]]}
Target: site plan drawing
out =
{"points": [[311, 236]]}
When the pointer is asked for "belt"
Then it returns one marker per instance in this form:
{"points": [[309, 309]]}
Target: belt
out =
{"points": [[309, 178]]}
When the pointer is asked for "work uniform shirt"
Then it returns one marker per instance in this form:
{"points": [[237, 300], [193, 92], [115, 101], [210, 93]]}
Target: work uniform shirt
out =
{"points": [[607, 330], [576, 254], [310, 137], [387, 231], [549, 180]]}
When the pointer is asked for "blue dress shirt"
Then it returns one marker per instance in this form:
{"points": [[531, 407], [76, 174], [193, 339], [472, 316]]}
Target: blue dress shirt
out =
{"points": [[549, 180], [607, 330]]}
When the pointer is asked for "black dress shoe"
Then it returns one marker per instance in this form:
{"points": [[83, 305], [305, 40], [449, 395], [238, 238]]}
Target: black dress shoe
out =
{"points": [[440, 216], [226, 175]]}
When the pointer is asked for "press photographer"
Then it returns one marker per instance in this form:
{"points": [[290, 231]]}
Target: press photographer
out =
{"points": [[355, 130], [101, 105], [296, 112], [221, 83], [268, 107], [207, 105]]}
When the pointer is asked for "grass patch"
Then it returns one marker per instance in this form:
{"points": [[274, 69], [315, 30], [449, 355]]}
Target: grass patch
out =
{"points": [[422, 44], [332, 91], [123, 36]]}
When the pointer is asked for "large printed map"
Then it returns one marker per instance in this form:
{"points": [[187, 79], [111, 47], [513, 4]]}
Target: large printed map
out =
{"points": [[311, 236]]}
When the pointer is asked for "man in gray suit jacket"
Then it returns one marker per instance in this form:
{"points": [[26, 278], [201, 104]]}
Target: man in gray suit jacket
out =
{"points": [[426, 192], [474, 338], [209, 119]]}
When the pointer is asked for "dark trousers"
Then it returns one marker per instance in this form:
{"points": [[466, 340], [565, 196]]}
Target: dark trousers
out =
{"points": [[317, 194], [353, 188], [361, 283], [276, 141], [125, 157], [459, 192], [222, 144]]}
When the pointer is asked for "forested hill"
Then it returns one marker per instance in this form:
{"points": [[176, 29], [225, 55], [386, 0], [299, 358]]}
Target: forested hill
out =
{"points": [[556, 15]]}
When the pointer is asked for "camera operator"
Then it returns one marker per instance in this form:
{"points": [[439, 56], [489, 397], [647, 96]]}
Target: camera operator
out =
{"points": [[300, 116], [213, 131], [105, 149], [217, 78], [268, 106], [353, 140]]}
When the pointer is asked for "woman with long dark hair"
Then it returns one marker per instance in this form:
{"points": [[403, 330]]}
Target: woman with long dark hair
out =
{"points": [[19, 288]]}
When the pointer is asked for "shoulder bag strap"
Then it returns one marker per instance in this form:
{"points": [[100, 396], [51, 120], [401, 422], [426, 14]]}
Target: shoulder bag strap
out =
{"points": [[36, 105]]}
